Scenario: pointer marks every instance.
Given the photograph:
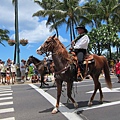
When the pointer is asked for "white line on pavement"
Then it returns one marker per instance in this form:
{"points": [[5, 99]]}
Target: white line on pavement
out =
{"points": [[6, 98], [6, 103], [10, 118], [5, 94], [96, 106], [62, 108], [6, 91], [6, 110]]}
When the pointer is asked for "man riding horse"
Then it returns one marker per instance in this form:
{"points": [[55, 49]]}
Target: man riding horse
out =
{"points": [[79, 46]]}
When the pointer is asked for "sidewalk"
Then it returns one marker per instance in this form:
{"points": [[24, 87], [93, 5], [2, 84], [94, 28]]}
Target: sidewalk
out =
{"points": [[50, 79]]}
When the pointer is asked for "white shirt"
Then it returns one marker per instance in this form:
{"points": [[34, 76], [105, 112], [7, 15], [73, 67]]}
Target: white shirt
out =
{"points": [[49, 57], [22, 67], [13, 68], [82, 43], [3, 68]]}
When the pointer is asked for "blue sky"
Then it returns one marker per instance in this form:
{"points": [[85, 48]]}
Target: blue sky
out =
{"points": [[30, 28]]}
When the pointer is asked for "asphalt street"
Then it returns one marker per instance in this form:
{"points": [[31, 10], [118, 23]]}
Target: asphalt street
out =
{"points": [[29, 102]]}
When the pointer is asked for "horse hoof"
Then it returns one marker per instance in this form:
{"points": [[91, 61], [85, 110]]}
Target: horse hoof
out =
{"points": [[54, 111], [101, 102], [76, 105], [89, 103]]}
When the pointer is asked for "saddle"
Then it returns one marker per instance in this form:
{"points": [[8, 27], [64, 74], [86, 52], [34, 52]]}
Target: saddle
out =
{"points": [[87, 60]]}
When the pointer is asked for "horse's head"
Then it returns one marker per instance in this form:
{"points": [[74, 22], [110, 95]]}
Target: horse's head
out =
{"points": [[29, 61], [47, 46]]}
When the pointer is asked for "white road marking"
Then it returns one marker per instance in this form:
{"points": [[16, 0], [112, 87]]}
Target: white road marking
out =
{"points": [[6, 98], [6, 103], [105, 89], [6, 110], [6, 94], [10, 118], [6, 91], [96, 106], [62, 108]]}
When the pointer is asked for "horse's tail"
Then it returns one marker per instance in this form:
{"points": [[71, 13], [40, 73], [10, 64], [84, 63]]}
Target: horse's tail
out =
{"points": [[107, 73]]}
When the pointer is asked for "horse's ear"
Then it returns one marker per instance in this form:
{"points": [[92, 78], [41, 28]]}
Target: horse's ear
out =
{"points": [[53, 36]]}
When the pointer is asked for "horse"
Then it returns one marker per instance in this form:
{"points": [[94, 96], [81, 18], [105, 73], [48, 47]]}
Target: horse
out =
{"points": [[63, 71], [39, 64]]}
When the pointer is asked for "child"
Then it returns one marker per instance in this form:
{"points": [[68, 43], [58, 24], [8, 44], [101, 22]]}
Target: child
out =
{"points": [[8, 76]]}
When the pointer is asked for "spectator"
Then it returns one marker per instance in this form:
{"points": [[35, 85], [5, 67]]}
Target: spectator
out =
{"points": [[117, 69], [0, 69], [8, 76], [3, 72], [8, 64], [13, 72], [34, 78], [22, 69], [26, 70]]}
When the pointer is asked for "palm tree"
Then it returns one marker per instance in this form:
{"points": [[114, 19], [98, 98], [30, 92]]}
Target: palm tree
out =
{"points": [[71, 13], [3, 35], [47, 7]]}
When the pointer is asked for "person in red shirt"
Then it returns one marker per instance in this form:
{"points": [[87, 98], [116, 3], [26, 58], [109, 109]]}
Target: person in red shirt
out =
{"points": [[117, 69]]}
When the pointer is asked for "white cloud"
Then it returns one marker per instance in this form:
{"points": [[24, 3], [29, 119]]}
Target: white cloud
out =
{"points": [[29, 27]]}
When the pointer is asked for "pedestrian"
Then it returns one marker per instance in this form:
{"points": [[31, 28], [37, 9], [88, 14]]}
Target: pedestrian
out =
{"points": [[26, 71], [0, 69], [13, 72], [117, 69], [8, 76], [80, 45], [3, 72], [22, 70]]}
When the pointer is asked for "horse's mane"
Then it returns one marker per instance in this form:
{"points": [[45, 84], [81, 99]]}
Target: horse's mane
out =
{"points": [[34, 58], [62, 50]]}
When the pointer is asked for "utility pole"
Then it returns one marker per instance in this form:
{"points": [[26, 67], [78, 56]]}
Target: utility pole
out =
{"points": [[17, 49]]}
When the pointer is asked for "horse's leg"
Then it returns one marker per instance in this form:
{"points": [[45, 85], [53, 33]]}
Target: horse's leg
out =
{"points": [[42, 79], [59, 89], [101, 94], [69, 93], [97, 85]]}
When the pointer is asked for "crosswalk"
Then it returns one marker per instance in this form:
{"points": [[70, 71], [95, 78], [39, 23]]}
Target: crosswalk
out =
{"points": [[6, 103]]}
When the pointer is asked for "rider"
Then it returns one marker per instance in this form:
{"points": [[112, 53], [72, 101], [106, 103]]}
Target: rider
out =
{"points": [[80, 45], [49, 60]]}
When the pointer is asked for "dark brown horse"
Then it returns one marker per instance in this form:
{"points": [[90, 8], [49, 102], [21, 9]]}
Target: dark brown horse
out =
{"points": [[40, 66], [64, 69]]}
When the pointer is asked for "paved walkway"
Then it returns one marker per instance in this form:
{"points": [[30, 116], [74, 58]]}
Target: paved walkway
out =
{"points": [[50, 79]]}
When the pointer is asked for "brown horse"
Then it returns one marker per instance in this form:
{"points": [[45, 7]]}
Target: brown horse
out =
{"points": [[40, 65], [64, 70]]}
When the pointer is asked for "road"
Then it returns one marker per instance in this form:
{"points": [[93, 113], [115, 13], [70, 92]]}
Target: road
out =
{"points": [[29, 102]]}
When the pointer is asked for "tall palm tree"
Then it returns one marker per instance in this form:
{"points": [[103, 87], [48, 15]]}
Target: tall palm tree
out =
{"points": [[71, 13], [47, 7]]}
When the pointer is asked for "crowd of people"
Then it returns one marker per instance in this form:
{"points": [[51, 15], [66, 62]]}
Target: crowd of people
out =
{"points": [[8, 71]]}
